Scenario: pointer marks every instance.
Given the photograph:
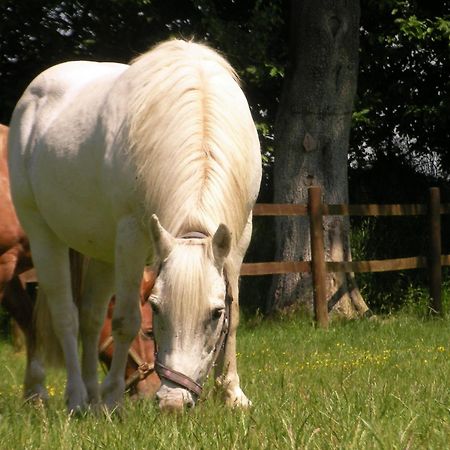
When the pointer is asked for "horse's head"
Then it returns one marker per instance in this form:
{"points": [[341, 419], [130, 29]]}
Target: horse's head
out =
{"points": [[140, 379], [189, 311]]}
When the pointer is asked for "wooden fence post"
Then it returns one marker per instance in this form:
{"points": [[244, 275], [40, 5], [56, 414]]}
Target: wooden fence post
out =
{"points": [[318, 256], [434, 257]]}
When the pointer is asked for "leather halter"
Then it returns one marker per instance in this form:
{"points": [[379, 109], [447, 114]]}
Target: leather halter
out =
{"points": [[179, 378]]}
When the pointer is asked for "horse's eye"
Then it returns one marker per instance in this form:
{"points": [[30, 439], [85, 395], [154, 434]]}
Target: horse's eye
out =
{"points": [[153, 300], [148, 334], [155, 308], [217, 313]]}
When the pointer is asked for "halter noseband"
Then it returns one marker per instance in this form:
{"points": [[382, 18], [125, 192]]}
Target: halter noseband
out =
{"points": [[179, 378]]}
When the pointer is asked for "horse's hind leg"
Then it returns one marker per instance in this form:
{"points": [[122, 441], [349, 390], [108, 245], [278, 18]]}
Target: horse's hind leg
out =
{"points": [[51, 259], [98, 286]]}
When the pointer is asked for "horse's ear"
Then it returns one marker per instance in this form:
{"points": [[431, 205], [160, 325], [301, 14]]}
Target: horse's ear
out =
{"points": [[221, 244], [163, 240]]}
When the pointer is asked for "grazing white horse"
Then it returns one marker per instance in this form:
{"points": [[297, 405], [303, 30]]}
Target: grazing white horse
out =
{"points": [[161, 160]]}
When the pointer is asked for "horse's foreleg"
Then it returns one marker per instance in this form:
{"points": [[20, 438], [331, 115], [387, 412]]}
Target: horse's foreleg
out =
{"points": [[98, 286], [227, 377], [51, 259], [130, 254]]}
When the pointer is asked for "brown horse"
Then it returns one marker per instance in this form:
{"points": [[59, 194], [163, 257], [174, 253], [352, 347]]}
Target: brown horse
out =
{"points": [[15, 262], [141, 378]]}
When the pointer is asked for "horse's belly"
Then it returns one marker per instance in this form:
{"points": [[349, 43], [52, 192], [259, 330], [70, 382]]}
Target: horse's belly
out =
{"points": [[88, 232], [76, 209]]}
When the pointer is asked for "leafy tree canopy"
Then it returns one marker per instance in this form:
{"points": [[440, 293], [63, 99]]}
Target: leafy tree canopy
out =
{"points": [[38, 34], [403, 104], [404, 87]]}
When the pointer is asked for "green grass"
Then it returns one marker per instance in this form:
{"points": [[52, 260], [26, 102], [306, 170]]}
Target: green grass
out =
{"points": [[372, 384]]}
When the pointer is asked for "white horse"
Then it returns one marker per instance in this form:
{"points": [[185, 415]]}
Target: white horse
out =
{"points": [[102, 154]]}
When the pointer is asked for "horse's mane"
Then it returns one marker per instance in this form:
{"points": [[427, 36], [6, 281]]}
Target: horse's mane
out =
{"points": [[189, 138]]}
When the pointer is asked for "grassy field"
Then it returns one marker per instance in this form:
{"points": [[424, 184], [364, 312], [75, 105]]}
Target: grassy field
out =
{"points": [[372, 384]]}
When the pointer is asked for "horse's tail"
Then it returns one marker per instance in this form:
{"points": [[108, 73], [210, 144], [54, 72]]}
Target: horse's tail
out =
{"points": [[48, 344], [78, 267]]}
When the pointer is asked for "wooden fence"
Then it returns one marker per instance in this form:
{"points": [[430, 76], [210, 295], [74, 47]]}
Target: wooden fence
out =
{"points": [[315, 209]]}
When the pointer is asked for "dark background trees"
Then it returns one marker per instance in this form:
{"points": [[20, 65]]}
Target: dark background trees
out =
{"points": [[400, 138], [404, 84], [400, 126]]}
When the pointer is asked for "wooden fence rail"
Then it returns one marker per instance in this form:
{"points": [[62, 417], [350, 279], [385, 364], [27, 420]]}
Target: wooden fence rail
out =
{"points": [[315, 210]]}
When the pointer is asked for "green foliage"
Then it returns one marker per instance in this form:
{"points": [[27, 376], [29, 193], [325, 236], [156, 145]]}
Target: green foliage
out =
{"points": [[363, 384], [403, 82], [253, 35], [425, 29], [402, 111], [402, 105]]}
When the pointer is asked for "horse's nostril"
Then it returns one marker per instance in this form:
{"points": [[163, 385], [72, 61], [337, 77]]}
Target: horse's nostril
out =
{"points": [[190, 404]]}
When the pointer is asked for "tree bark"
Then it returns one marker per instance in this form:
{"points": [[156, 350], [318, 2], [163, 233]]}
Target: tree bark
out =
{"points": [[312, 138]]}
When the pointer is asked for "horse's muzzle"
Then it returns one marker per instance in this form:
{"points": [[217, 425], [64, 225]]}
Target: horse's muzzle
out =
{"points": [[174, 399]]}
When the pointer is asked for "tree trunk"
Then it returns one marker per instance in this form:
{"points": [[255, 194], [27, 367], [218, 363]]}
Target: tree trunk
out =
{"points": [[312, 132]]}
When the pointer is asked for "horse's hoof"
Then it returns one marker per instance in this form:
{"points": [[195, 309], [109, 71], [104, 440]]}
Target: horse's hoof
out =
{"points": [[38, 395], [237, 399], [76, 400], [112, 393], [77, 409]]}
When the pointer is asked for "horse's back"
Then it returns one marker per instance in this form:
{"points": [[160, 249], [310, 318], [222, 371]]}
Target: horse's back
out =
{"points": [[51, 96], [55, 136]]}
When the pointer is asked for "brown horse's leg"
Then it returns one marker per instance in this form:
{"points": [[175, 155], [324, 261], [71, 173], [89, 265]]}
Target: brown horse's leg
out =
{"points": [[147, 383], [20, 305], [13, 297]]}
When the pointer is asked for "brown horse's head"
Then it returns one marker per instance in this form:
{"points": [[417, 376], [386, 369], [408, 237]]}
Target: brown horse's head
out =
{"points": [[141, 378]]}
